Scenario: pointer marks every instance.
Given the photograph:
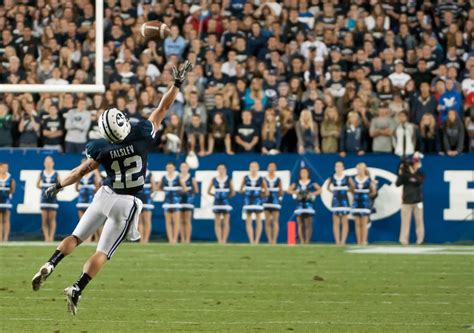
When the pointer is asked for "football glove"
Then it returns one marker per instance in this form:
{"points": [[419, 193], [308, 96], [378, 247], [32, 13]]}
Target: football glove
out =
{"points": [[53, 190], [179, 75]]}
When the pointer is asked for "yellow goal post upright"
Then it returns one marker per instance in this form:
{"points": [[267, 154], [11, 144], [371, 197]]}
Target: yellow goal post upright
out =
{"points": [[98, 87]]}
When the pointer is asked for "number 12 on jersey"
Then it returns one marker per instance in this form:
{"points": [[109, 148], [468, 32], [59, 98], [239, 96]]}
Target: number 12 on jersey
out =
{"points": [[124, 173]]}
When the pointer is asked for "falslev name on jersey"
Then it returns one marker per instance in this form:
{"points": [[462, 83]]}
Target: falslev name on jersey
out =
{"points": [[121, 152]]}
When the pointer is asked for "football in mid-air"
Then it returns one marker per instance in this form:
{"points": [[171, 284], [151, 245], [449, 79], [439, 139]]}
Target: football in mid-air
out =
{"points": [[155, 30]]}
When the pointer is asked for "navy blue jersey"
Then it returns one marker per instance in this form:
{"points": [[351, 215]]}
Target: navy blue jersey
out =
{"points": [[253, 194], [305, 202], [221, 195], [272, 201], [361, 204], [5, 196], [125, 163], [172, 188], [187, 198], [86, 191], [340, 199]]}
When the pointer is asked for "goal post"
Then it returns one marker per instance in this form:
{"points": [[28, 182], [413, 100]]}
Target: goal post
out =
{"points": [[98, 87]]}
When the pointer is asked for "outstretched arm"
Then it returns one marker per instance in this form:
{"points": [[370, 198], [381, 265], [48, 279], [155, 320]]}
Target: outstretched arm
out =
{"points": [[75, 175], [179, 76], [159, 113]]}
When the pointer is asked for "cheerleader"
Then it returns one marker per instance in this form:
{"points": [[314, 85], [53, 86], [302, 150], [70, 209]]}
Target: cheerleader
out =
{"points": [[364, 189], [223, 191], [7, 188], [48, 204], [253, 187], [339, 186], [87, 187], [305, 192], [187, 203], [144, 227], [172, 185], [272, 203]]}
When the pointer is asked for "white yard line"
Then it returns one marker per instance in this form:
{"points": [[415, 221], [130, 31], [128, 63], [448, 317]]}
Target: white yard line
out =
{"points": [[226, 292], [167, 309], [233, 323]]}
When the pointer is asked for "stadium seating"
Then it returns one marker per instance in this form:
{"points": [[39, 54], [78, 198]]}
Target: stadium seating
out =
{"points": [[276, 60]]}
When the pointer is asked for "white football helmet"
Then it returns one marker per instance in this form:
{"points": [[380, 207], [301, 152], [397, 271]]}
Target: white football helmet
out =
{"points": [[114, 126]]}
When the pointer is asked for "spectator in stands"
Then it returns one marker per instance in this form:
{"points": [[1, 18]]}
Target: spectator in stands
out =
{"points": [[404, 136], [254, 93], [271, 134], [428, 138], [453, 134], [469, 122], [94, 133], [397, 105], [229, 67], [29, 126], [349, 47], [56, 78], [219, 136], [77, 125], [381, 130], [287, 121], [52, 129], [422, 103], [194, 107], [451, 99], [172, 135], [468, 85], [225, 112], [45, 70], [6, 125], [195, 133], [174, 43], [246, 135], [353, 137], [385, 89], [412, 179], [422, 74], [399, 78], [307, 133], [330, 131]]}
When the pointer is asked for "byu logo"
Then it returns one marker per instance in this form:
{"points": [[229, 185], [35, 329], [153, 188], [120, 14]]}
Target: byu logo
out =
{"points": [[388, 200], [120, 119], [460, 195]]}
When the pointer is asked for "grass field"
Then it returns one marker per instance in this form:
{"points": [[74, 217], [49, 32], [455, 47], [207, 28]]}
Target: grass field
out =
{"points": [[211, 288]]}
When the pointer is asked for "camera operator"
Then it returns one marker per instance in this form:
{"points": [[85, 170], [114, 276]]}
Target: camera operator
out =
{"points": [[412, 179]]}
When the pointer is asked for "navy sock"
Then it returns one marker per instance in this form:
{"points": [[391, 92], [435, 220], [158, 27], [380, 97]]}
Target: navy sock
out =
{"points": [[56, 258], [84, 279]]}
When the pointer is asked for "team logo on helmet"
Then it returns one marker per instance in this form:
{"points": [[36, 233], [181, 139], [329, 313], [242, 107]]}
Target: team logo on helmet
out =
{"points": [[120, 119]]}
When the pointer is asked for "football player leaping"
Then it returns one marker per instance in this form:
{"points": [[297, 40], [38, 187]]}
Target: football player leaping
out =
{"points": [[123, 153]]}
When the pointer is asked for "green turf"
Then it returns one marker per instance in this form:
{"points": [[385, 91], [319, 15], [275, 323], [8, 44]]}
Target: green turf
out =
{"points": [[211, 288]]}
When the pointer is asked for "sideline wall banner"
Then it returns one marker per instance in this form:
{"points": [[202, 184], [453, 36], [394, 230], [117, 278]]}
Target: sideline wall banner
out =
{"points": [[448, 194]]}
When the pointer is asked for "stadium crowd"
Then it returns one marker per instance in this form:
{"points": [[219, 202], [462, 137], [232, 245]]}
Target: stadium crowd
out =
{"points": [[304, 76]]}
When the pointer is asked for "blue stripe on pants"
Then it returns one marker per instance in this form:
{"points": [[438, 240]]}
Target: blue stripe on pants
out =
{"points": [[124, 232]]}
